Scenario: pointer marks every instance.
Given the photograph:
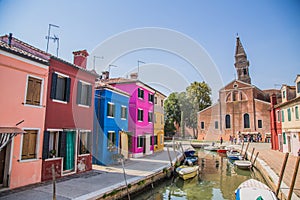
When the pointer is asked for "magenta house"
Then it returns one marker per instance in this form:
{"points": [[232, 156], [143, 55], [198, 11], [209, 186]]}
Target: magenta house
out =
{"points": [[140, 116]]}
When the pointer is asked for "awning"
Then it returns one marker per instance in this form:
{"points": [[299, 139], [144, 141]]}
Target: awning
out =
{"points": [[7, 133]]}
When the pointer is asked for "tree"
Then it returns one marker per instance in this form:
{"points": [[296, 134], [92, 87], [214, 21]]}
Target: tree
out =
{"points": [[198, 95], [172, 112]]}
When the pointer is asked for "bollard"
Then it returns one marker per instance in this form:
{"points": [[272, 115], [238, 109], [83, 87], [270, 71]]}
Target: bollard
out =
{"points": [[53, 181]]}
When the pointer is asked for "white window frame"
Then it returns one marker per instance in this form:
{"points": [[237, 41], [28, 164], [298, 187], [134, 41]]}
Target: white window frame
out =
{"points": [[138, 115], [122, 118], [57, 100], [84, 83], [111, 103]]}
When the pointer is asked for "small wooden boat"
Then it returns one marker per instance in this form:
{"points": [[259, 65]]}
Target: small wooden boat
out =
{"points": [[243, 164], [234, 155], [253, 189], [211, 148], [185, 172], [222, 149]]}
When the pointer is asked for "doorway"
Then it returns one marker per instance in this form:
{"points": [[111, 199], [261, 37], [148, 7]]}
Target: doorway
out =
{"points": [[2, 165]]}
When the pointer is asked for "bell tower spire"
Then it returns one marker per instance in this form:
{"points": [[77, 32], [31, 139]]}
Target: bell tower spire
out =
{"points": [[241, 63]]}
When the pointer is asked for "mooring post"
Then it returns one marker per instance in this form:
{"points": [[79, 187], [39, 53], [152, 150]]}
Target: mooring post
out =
{"points": [[53, 181], [170, 157], [242, 147], [182, 150], [282, 172], [245, 155], [255, 158], [252, 154], [294, 178], [124, 173]]}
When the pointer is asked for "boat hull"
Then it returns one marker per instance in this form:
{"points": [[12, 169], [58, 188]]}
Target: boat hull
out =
{"points": [[253, 189], [243, 164], [187, 172]]}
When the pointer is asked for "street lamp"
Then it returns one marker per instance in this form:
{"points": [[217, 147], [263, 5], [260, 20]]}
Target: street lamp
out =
{"points": [[94, 61], [139, 61]]}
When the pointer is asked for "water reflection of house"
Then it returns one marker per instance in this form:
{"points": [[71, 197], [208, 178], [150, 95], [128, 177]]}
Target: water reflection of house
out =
{"points": [[242, 108], [23, 86], [286, 119], [110, 124]]}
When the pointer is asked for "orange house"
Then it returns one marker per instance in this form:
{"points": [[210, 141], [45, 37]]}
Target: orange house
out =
{"points": [[23, 87]]}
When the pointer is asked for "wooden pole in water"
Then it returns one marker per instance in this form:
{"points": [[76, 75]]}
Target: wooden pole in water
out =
{"points": [[294, 178], [246, 150], [282, 172], [182, 150], [53, 181], [170, 157], [242, 147], [255, 158], [252, 154], [124, 174]]}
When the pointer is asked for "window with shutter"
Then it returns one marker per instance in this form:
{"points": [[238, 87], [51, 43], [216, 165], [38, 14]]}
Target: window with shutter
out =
{"points": [[110, 109], [33, 96], [29, 144], [60, 87], [84, 93]]}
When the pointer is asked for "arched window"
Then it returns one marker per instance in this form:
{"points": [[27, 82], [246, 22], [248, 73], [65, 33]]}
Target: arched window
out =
{"points": [[246, 121], [227, 121]]}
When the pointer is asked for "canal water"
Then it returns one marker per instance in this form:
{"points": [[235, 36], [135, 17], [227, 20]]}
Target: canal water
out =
{"points": [[218, 180]]}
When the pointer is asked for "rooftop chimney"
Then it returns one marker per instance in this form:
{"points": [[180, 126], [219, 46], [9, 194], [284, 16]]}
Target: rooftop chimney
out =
{"points": [[80, 58], [134, 75], [9, 39], [105, 75]]}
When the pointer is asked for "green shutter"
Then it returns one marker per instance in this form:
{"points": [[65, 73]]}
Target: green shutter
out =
{"points": [[78, 96], [45, 154], [68, 89], [53, 86], [90, 92]]}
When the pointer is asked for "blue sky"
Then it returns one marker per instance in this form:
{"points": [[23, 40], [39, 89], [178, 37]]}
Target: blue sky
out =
{"points": [[269, 31]]}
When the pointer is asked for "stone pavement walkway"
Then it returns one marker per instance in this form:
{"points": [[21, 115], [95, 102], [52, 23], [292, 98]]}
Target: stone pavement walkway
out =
{"points": [[93, 184], [274, 160]]}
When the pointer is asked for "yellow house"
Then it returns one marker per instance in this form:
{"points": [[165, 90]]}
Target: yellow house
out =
{"points": [[159, 121]]}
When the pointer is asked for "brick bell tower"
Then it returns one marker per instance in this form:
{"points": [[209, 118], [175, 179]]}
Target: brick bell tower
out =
{"points": [[241, 63]]}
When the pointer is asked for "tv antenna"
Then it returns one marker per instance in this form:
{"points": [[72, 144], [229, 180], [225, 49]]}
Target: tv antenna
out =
{"points": [[54, 38]]}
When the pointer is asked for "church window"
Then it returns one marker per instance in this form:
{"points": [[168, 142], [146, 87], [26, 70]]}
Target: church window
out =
{"points": [[202, 125], [246, 120], [227, 121], [259, 122], [216, 125]]}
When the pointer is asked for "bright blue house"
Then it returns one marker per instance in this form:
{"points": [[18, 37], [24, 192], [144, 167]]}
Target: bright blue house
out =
{"points": [[110, 125]]}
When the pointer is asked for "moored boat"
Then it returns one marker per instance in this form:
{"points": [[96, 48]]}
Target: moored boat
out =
{"points": [[234, 155], [211, 148], [185, 172], [253, 189], [243, 164], [190, 160]]}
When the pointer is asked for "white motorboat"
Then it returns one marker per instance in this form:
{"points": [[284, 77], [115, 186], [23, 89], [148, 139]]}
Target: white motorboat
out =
{"points": [[243, 164], [253, 189]]}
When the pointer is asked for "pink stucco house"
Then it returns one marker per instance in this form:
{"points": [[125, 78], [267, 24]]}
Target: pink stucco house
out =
{"points": [[23, 86], [141, 114]]}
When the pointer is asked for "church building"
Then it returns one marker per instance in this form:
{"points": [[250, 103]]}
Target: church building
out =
{"points": [[242, 110]]}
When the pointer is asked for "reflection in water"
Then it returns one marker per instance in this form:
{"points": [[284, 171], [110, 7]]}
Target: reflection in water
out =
{"points": [[218, 179]]}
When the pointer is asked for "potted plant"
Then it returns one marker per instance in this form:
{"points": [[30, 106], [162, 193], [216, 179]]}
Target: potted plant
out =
{"points": [[52, 153]]}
